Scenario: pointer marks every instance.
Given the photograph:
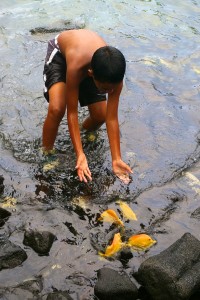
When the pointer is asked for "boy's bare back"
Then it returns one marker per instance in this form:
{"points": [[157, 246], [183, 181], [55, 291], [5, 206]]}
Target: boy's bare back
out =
{"points": [[78, 47]]}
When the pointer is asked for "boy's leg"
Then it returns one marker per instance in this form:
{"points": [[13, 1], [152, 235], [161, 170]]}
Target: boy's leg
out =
{"points": [[56, 111], [97, 116]]}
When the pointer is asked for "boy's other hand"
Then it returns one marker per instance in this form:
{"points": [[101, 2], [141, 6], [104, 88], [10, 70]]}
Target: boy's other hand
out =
{"points": [[122, 170], [83, 170]]}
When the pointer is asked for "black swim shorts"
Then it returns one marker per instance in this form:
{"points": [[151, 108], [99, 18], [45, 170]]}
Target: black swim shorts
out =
{"points": [[55, 71]]}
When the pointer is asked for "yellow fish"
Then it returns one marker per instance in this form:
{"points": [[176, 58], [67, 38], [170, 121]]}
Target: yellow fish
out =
{"points": [[114, 247], [140, 241], [9, 202], [110, 215], [128, 213]]}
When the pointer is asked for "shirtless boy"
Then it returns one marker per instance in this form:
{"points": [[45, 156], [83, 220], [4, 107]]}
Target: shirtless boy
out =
{"points": [[79, 66]]}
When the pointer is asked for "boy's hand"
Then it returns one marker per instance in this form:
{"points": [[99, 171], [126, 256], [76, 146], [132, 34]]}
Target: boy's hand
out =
{"points": [[121, 170], [83, 170]]}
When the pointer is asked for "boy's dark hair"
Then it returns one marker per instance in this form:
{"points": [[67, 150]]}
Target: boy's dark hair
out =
{"points": [[108, 65]]}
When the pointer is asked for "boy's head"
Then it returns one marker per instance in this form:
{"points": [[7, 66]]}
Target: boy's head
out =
{"points": [[108, 65]]}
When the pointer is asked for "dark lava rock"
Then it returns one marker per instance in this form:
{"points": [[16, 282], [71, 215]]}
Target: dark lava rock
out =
{"points": [[196, 296], [113, 286], [1, 179], [11, 255], [40, 242], [77, 23], [1, 184], [196, 214], [59, 296], [28, 289], [174, 274], [4, 215], [125, 255], [143, 294]]}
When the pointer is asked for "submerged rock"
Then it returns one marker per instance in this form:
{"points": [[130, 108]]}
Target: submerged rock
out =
{"points": [[113, 286], [196, 214], [4, 215], [40, 242], [28, 289], [11, 255], [77, 23], [59, 296], [1, 184], [174, 273]]}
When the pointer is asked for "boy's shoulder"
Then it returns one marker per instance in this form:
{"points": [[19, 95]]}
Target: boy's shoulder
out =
{"points": [[78, 46], [80, 39]]}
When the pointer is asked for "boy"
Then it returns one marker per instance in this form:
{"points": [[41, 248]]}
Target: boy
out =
{"points": [[80, 66]]}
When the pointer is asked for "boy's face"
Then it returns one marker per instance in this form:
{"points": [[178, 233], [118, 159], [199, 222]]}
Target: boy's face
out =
{"points": [[104, 87]]}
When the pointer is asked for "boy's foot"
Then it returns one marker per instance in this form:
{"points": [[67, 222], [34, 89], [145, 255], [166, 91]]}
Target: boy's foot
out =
{"points": [[91, 136], [49, 159]]}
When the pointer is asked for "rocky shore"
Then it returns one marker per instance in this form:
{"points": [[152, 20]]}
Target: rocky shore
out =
{"points": [[49, 230], [172, 274]]}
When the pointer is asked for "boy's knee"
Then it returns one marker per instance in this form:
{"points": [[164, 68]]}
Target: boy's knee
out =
{"points": [[56, 113], [100, 118]]}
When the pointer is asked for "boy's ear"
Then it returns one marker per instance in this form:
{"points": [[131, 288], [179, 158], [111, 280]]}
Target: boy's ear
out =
{"points": [[90, 72]]}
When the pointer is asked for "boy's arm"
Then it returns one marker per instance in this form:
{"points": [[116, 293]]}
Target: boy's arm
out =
{"points": [[119, 167], [72, 93]]}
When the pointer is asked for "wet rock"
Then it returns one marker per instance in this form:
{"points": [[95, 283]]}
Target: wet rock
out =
{"points": [[174, 273], [1, 184], [196, 214], [113, 286], [59, 296], [143, 294], [1, 179], [11, 255], [4, 215], [125, 255], [28, 289], [16, 294], [196, 296], [33, 285], [78, 23], [40, 242]]}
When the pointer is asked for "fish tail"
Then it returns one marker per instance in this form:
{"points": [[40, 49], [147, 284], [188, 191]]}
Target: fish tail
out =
{"points": [[101, 254]]}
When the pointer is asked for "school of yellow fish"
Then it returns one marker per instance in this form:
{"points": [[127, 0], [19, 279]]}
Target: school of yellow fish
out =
{"points": [[137, 242]]}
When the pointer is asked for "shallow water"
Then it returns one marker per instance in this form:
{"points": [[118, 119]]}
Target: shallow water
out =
{"points": [[159, 124]]}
